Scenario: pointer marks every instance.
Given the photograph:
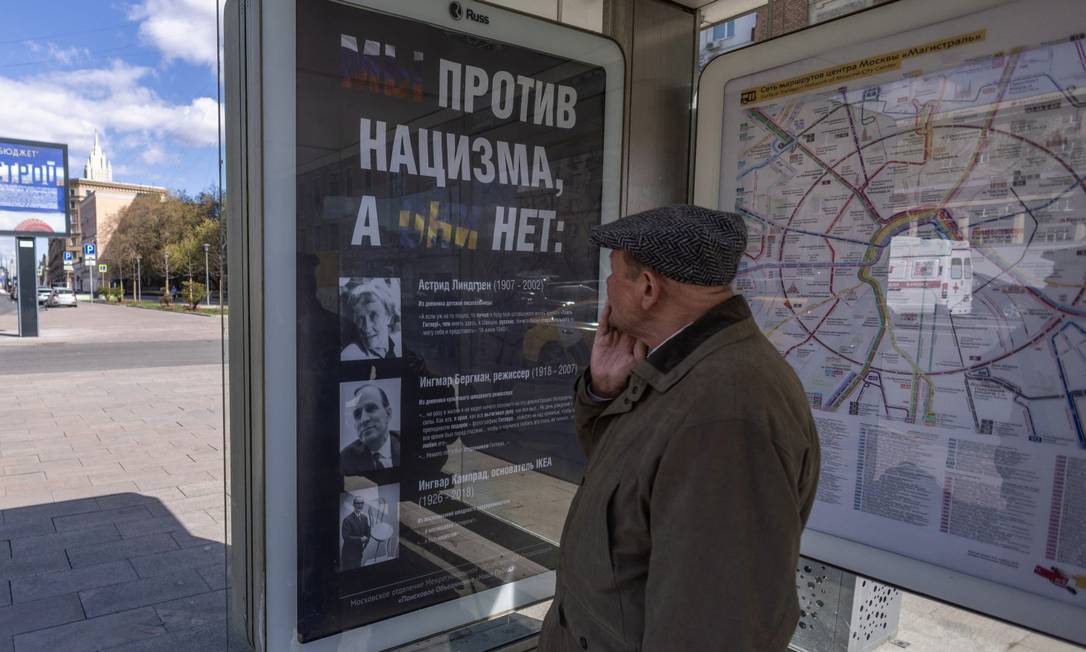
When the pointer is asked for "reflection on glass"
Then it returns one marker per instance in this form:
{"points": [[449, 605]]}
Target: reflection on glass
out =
{"points": [[925, 273]]}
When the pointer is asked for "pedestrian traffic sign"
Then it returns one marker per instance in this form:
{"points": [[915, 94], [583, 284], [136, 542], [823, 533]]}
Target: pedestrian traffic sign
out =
{"points": [[103, 268], [68, 256]]}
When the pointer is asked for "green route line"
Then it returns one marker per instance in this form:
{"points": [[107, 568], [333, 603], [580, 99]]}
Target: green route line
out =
{"points": [[772, 126]]}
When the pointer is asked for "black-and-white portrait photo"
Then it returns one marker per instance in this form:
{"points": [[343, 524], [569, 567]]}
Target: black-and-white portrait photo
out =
{"points": [[369, 531], [370, 316], [369, 430]]}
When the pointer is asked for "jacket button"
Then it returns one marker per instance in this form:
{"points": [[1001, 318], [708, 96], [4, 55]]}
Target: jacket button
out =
{"points": [[584, 643]]}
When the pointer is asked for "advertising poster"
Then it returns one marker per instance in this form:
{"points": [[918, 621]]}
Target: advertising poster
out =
{"points": [[917, 220], [447, 296], [33, 188]]}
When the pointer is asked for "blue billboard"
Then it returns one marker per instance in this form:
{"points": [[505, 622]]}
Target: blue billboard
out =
{"points": [[33, 188]]}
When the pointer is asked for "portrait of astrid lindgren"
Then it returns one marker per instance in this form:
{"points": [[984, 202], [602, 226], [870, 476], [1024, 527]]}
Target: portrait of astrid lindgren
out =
{"points": [[371, 316]]}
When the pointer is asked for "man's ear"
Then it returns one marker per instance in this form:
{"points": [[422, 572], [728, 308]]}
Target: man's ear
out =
{"points": [[652, 287]]}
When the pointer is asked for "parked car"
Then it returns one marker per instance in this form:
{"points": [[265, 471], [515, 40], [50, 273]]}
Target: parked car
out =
{"points": [[64, 297], [45, 296]]}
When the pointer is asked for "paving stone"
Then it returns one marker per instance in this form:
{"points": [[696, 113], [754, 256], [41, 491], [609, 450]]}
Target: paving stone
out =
{"points": [[188, 538], [212, 554], [142, 592], [175, 478], [169, 523], [62, 540], [204, 640], [5, 592], [124, 549], [35, 563], [193, 612], [25, 500], [92, 491], [187, 505], [49, 511], [127, 499], [202, 488], [30, 616], [37, 587], [215, 576], [121, 475], [94, 634], [91, 519]]}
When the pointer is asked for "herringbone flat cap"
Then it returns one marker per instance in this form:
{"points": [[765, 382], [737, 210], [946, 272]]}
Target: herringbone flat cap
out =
{"points": [[689, 244]]}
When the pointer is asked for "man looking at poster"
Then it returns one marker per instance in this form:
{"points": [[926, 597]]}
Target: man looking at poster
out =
{"points": [[702, 455], [376, 447], [355, 532]]}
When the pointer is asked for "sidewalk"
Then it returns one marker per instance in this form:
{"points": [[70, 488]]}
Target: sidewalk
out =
{"points": [[113, 520]]}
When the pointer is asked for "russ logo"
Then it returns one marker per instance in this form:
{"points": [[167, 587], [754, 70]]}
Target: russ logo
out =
{"points": [[457, 11]]}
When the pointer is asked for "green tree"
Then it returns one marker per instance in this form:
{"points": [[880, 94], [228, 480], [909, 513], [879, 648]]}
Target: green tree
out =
{"points": [[150, 227]]}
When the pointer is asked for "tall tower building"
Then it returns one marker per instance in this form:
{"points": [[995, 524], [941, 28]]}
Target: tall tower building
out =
{"points": [[97, 167], [94, 201]]}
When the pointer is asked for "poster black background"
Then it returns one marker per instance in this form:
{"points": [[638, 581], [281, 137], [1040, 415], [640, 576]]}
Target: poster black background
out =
{"points": [[332, 96]]}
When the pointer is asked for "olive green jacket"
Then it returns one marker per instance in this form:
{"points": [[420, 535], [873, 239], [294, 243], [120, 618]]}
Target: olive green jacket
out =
{"points": [[684, 534]]}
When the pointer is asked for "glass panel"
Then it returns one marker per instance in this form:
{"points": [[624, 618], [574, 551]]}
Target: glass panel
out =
{"points": [[447, 295], [111, 417], [917, 261]]}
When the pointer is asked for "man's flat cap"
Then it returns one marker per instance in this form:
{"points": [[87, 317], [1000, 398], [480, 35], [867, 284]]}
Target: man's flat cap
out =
{"points": [[689, 244]]}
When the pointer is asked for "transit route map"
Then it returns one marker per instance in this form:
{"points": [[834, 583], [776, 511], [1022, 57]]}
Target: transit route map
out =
{"points": [[917, 248]]}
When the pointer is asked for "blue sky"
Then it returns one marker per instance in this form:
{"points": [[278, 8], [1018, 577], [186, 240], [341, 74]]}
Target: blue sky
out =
{"points": [[141, 72]]}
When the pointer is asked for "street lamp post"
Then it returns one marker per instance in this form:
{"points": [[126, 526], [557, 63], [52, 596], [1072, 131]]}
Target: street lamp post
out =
{"points": [[139, 279], [207, 275], [167, 288]]}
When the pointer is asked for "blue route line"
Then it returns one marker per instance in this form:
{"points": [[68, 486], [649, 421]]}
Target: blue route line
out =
{"points": [[1063, 379]]}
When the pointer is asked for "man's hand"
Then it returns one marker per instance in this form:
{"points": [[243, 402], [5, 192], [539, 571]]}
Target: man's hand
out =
{"points": [[614, 353]]}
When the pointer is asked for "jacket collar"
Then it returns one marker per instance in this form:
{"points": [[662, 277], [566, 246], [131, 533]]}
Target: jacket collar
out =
{"points": [[723, 324]]}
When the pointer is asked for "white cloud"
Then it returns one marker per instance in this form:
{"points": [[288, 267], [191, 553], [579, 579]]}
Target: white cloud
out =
{"points": [[153, 153], [180, 29], [68, 106], [54, 52]]}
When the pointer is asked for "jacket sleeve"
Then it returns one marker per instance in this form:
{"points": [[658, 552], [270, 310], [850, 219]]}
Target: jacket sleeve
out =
{"points": [[725, 540], [586, 411]]}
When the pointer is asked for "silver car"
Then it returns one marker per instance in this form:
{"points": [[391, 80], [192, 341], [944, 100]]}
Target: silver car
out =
{"points": [[64, 297]]}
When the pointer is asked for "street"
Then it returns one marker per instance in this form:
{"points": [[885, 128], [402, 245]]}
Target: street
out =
{"points": [[99, 337], [111, 481]]}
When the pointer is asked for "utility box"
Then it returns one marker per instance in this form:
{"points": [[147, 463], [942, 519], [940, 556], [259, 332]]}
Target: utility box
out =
{"points": [[841, 611]]}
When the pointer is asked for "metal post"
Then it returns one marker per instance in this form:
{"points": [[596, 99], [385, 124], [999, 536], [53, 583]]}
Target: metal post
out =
{"points": [[92, 266], [28, 287], [139, 280], [167, 288], [207, 275]]}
